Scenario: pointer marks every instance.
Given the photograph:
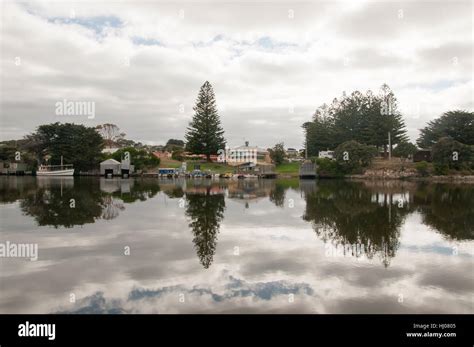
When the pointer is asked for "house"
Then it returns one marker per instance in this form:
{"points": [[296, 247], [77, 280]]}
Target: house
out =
{"points": [[422, 155], [110, 150], [190, 156], [162, 154], [14, 168], [326, 154], [292, 152], [247, 154], [259, 169], [112, 167]]}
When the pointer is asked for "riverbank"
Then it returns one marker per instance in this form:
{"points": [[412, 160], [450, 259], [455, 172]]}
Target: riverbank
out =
{"points": [[382, 169]]}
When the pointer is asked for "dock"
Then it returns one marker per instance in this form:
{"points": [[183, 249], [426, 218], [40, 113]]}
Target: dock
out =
{"points": [[308, 170]]}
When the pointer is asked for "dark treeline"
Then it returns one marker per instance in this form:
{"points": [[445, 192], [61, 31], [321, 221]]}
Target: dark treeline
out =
{"points": [[364, 118]]}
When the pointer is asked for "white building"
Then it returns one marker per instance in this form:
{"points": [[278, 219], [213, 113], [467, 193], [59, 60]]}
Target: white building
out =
{"points": [[291, 152], [246, 154], [326, 154]]}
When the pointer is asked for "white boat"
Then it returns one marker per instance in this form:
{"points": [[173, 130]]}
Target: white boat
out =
{"points": [[55, 170]]}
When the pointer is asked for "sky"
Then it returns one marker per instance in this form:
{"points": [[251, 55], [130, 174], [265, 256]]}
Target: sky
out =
{"points": [[271, 63]]}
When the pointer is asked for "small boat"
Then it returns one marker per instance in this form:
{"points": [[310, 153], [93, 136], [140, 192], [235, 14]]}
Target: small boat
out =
{"points": [[55, 170], [242, 176]]}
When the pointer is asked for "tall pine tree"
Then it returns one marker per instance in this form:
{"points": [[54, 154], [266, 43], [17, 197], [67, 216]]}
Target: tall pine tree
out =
{"points": [[205, 134]]}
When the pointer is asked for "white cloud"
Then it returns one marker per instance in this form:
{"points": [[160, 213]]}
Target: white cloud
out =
{"points": [[262, 61]]}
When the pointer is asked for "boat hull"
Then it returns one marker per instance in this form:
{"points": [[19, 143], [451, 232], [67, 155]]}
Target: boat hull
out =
{"points": [[68, 172]]}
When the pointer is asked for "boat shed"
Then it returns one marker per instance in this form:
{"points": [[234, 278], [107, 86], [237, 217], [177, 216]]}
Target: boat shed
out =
{"points": [[110, 167]]}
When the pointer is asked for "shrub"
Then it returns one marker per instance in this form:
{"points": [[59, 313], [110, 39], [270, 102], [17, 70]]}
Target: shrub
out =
{"points": [[328, 168], [140, 158], [177, 154], [440, 169], [452, 154], [422, 168], [352, 156], [404, 150]]}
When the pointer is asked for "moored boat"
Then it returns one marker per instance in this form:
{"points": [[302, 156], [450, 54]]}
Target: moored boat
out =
{"points": [[55, 170]]}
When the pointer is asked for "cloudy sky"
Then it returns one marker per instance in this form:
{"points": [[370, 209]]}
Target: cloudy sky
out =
{"points": [[271, 63]]}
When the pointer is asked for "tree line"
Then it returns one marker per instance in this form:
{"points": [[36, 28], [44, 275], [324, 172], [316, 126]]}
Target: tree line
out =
{"points": [[357, 127]]}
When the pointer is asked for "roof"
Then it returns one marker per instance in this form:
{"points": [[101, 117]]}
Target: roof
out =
{"points": [[258, 149], [110, 162]]}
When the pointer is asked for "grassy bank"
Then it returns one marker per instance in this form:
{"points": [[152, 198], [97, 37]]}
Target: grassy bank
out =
{"points": [[214, 167], [291, 169]]}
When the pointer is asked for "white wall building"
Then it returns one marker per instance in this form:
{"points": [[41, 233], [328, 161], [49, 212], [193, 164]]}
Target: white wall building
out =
{"points": [[326, 154]]}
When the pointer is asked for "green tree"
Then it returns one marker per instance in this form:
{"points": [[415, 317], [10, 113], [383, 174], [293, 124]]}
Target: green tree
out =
{"points": [[173, 145], [384, 117], [77, 144], [140, 158], [458, 125], [449, 153], [178, 154], [205, 134], [277, 153], [352, 156], [404, 150], [365, 118]]}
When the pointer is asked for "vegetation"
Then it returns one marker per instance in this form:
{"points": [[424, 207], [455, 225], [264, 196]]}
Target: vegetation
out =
{"points": [[174, 145], [177, 154], [205, 134], [364, 118], [328, 168], [110, 133], [287, 168], [450, 154], [405, 150], [457, 125], [277, 153], [422, 168], [10, 149], [352, 156], [140, 158], [77, 144]]}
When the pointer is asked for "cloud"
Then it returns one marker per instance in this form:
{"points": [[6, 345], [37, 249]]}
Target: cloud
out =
{"points": [[271, 64]]}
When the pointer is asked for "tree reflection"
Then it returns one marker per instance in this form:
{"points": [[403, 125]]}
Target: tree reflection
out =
{"points": [[348, 213], [277, 195], [58, 204], [61, 202], [206, 211], [448, 208]]}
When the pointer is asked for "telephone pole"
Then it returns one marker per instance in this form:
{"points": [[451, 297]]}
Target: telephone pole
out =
{"points": [[389, 147]]}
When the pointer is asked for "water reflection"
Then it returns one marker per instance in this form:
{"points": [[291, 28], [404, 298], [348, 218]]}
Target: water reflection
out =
{"points": [[394, 237], [68, 201], [349, 213], [342, 212], [205, 207], [447, 208]]}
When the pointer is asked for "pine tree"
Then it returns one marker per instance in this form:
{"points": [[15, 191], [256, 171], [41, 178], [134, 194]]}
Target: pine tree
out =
{"points": [[205, 134]]}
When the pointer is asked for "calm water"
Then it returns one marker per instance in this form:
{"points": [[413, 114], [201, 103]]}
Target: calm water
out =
{"points": [[263, 246]]}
